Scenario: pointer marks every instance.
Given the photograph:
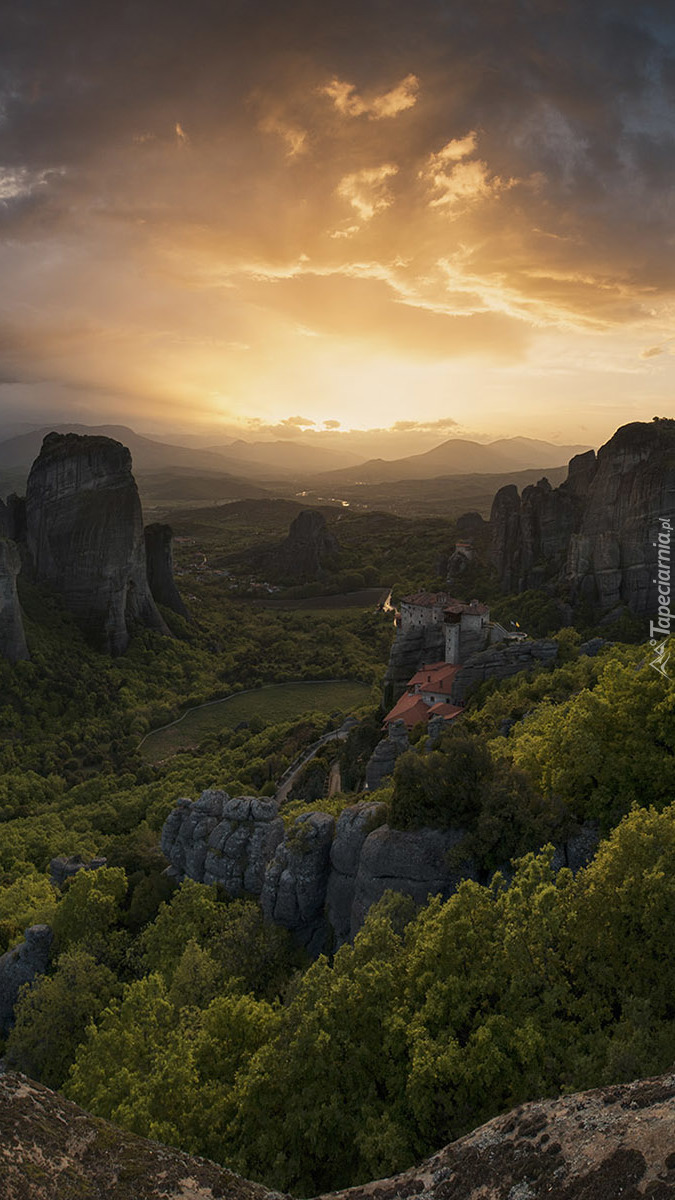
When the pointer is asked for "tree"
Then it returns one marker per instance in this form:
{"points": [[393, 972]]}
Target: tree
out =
{"points": [[52, 1015]]}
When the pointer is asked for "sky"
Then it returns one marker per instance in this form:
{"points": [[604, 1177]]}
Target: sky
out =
{"points": [[266, 219]]}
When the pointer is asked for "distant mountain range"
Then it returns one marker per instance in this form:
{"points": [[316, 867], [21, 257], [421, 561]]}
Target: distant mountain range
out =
{"points": [[459, 456], [258, 460], [166, 472]]}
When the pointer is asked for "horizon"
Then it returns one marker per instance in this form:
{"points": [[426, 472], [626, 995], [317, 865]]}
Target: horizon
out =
{"points": [[368, 229]]}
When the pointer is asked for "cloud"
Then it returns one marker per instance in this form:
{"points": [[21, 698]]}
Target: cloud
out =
{"points": [[294, 138], [455, 179], [332, 424], [652, 352], [440, 426], [349, 103], [182, 138], [367, 192]]}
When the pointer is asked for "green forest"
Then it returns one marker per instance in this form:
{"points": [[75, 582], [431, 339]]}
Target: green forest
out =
{"points": [[184, 1016]]}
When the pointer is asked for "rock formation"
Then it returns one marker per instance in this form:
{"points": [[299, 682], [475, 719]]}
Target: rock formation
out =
{"points": [[296, 880], [159, 560], [53, 1150], [501, 663], [12, 637], [308, 548], [317, 879], [413, 862], [610, 1143], [593, 536], [62, 869], [21, 965], [85, 536], [409, 652], [382, 761]]}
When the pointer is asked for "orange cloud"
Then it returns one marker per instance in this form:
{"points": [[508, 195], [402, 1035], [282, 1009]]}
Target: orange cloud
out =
{"points": [[349, 103]]}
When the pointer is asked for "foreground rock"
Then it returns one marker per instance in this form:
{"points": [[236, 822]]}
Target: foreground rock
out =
{"points": [[85, 536], [12, 637], [594, 536], [52, 1150], [598, 1145]]}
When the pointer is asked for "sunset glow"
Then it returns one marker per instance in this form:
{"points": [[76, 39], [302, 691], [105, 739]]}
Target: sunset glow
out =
{"points": [[357, 215]]}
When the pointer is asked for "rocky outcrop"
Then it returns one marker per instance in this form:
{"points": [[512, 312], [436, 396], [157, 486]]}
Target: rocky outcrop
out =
{"points": [[296, 880], [12, 637], [85, 536], [501, 663], [53, 1150], [354, 826], [409, 652], [382, 761], [62, 869], [22, 964], [308, 548], [316, 879], [159, 562], [413, 862], [599, 1145], [242, 844], [609, 1143], [593, 537]]}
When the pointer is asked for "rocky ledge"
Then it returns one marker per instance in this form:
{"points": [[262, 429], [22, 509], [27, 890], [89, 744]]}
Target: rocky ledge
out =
{"points": [[598, 1145]]}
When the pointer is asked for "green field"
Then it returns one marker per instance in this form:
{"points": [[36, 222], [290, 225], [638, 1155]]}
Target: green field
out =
{"points": [[276, 703]]}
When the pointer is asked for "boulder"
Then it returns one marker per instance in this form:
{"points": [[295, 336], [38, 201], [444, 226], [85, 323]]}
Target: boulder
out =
{"points": [[414, 862], [22, 964], [85, 536], [61, 869]]}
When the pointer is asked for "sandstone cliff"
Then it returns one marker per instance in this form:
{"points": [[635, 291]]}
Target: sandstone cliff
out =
{"points": [[308, 548], [593, 536], [85, 536], [12, 637], [598, 1145], [320, 877], [159, 561]]}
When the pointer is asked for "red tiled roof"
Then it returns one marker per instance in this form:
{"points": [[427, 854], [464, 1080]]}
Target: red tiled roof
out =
{"points": [[427, 599], [445, 710], [475, 608], [410, 708], [440, 681], [431, 669]]}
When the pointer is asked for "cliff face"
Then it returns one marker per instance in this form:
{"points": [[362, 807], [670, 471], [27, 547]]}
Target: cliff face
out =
{"points": [[320, 877], [308, 546], [599, 1145], [12, 638], [159, 560], [594, 535], [85, 536]]}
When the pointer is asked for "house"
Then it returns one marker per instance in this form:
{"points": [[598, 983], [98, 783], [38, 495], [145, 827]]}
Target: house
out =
{"points": [[468, 630]]}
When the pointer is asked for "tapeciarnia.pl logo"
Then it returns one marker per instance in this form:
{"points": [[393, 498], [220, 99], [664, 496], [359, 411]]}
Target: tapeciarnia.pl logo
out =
{"points": [[661, 627]]}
